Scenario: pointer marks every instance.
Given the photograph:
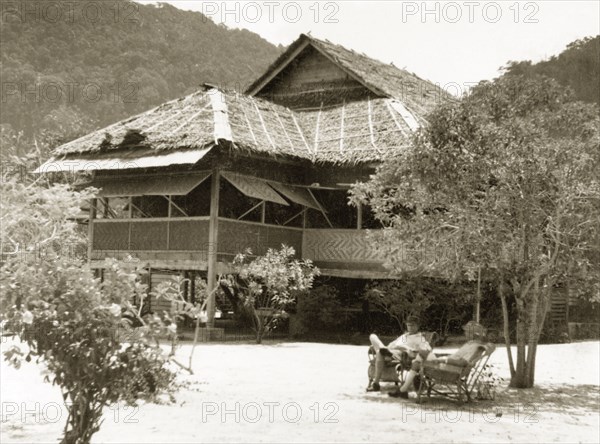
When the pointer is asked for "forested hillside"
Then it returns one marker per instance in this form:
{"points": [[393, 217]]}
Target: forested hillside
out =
{"points": [[578, 67], [70, 68]]}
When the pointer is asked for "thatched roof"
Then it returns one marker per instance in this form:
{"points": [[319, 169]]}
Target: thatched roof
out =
{"points": [[384, 80], [196, 121], [352, 132]]}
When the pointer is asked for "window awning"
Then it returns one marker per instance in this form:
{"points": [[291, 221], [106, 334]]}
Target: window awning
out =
{"points": [[176, 185], [124, 160], [296, 194], [252, 187]]}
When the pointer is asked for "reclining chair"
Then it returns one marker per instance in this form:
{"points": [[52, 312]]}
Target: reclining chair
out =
{"points": [[395, 369], [456, 382]]}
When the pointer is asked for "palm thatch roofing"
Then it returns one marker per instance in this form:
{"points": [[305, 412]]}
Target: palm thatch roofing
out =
{"points": [[355, 132]]}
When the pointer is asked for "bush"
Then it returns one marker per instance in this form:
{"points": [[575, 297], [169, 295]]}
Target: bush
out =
{"points": [[318, 309], [265, 286], [488, 383], [554, 333], [70, 322]]}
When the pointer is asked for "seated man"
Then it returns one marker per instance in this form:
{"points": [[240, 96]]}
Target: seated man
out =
{"points": [[475, 334], [412, 343]]}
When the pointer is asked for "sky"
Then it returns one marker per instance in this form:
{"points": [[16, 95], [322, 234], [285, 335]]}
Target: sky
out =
{"points": [[453, 43]]}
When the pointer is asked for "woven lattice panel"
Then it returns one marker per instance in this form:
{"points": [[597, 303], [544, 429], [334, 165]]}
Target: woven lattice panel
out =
{"points": [[111, 236], [235, 237], [188, 235], [148, 236], [339, 245]]}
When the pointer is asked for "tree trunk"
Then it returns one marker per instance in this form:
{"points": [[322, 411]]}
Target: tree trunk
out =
{"points": [[83, 421], [527, 334], [511, 364], [259, 326], [519, 380], [532, 334]]}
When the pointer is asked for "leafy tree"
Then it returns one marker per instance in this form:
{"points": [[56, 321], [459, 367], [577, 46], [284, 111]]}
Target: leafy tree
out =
{"points": [[439, 304], [64, 316], [263, 287], [400, 299], [506, 181]]}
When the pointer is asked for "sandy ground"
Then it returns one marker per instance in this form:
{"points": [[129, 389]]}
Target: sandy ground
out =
{"points": [[307, 392]]}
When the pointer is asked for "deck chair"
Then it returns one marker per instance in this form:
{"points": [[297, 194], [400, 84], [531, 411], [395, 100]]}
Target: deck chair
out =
{"points": [[453, 381], [395, 369]]}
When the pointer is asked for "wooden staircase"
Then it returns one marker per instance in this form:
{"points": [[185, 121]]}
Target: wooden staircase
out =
{"points": [[559, 307]]}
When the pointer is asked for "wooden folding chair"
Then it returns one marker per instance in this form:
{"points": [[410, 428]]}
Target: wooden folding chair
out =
{"points": [[452, 381]]}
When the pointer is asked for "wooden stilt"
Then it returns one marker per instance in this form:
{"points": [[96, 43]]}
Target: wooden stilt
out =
{"points": [[91, 217], [212, 246], [478, 301]]}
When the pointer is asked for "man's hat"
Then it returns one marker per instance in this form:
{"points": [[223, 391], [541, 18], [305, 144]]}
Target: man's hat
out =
{"points": [[475, 329], [412, 320]]}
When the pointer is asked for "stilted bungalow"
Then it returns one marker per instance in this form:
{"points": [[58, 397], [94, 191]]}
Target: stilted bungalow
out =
{"points": [[187, 185]]}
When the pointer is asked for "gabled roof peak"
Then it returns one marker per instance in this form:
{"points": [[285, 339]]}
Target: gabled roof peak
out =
{"points": [[382, 79]]}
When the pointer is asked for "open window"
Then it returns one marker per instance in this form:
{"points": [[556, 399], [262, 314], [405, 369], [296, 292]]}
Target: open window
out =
{"points": [[195, 203], [112, 208], [245, 198], [149, 206], [338, 212]]}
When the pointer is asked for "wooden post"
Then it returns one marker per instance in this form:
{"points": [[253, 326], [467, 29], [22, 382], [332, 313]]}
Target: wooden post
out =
{"points": [[478, 301], [359, 216], [212, 246], [91, 217], [169, 206], [129, 225]]}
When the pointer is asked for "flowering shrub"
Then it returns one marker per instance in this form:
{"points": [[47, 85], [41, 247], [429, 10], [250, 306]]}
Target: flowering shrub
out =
{"points": [[70, 321], [264, 286], [65, 318]]}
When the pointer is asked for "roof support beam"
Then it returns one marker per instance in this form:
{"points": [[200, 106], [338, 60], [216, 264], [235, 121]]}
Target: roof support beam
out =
{"points": [[295, 216], [252, 209], [320, 208]]}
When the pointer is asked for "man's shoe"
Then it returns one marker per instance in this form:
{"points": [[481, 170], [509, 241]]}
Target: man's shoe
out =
{"points": [[399, 394], [374, 387]]}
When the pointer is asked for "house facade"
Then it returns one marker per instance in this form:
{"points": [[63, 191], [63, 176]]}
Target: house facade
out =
{"points": [[186, 186]]}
